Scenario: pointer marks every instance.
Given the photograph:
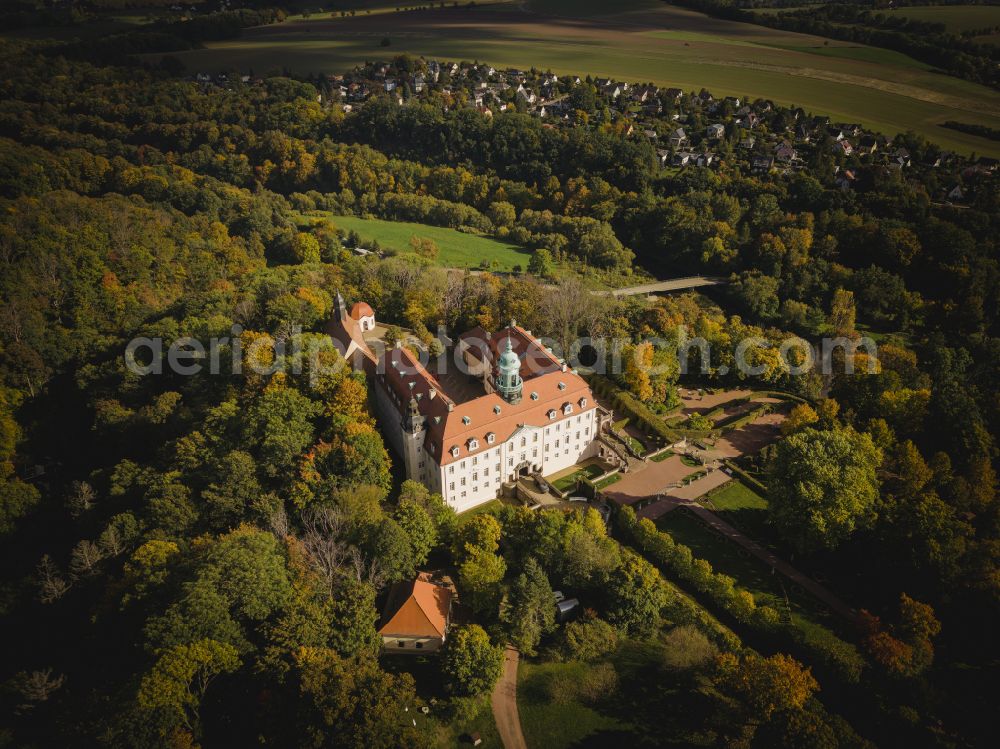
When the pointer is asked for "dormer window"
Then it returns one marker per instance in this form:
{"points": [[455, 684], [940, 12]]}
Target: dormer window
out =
{"points": [[496, 410], [490, 438], [534, 396], [583, 403], [567, 408], [454, 451], [473, 444], [552, 414], [562, 385], [466, 420]]}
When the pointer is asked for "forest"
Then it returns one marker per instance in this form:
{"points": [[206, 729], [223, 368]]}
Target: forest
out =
{"points": [[197, 560]]}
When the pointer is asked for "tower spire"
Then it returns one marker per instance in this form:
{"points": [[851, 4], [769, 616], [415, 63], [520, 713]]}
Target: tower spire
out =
{"points": [[508, 378]]}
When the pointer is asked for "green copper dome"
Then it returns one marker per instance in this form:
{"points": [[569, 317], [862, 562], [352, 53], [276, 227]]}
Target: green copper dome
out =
{"points": [[508, 376]]}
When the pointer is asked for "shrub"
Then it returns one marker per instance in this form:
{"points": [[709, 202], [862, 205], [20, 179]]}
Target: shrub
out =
{"points": [[685, 647], [825, 647], [589, 638], [597, 683]]}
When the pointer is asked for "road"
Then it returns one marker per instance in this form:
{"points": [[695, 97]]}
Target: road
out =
{"points": [[652, 288], [673, 284], [504, 703]]}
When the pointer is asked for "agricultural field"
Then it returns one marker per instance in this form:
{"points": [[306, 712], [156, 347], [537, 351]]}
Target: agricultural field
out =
{"points": [[457, 249], [956, 18], [640, 41]]}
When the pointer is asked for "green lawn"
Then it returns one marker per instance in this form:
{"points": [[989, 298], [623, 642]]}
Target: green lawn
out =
{"points": [[457, 249], [605, 483], [651, 706], [636, 444], [569, 481], [742, 507], [493, 504], [736, 495], [664, 44], [552, 723]]}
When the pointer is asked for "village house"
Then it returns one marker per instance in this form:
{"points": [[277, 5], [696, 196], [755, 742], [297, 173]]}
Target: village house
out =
{"points": [[762, 164], [785, 153], [416, 616], [843, 147]]}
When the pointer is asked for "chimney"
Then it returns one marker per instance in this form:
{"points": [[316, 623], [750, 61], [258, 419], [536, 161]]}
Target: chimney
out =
{"points": [[431, 393]]}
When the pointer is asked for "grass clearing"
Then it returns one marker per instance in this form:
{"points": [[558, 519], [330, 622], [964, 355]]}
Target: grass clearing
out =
{"points": [[457, 249], [650, 706], [667, 45], [556, 723]]}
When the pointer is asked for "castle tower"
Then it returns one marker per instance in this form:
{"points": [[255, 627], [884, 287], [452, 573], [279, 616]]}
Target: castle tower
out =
{"points": [[414, 426], [339, 308], [508, 376]]}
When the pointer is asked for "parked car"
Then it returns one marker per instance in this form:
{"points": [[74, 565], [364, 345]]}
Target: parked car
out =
{"points": [[534, 505], [541, 483], [565, 608]]}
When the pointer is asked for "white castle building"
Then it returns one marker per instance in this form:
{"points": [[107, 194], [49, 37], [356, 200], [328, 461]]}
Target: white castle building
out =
{"points": [[505, 407]]}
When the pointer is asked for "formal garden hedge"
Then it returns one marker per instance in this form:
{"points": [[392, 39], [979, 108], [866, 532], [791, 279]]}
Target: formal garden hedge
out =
{"points": [[819, 644], [630, 406]]}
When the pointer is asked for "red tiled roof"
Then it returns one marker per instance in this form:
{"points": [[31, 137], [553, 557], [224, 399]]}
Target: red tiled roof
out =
{"points": [[446, 424], [418, 608], [346, 332], [362, 309]]}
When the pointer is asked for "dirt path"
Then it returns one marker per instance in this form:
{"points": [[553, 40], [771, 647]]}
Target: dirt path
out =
{"points": [[818, 591], [504, 702]]}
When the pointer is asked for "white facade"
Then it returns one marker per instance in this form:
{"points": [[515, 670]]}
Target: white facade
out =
{"points": [[477, 477]]}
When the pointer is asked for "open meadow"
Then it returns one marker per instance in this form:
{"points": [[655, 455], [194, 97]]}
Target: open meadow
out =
{"points": [[640, 41], [456, 249]]}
